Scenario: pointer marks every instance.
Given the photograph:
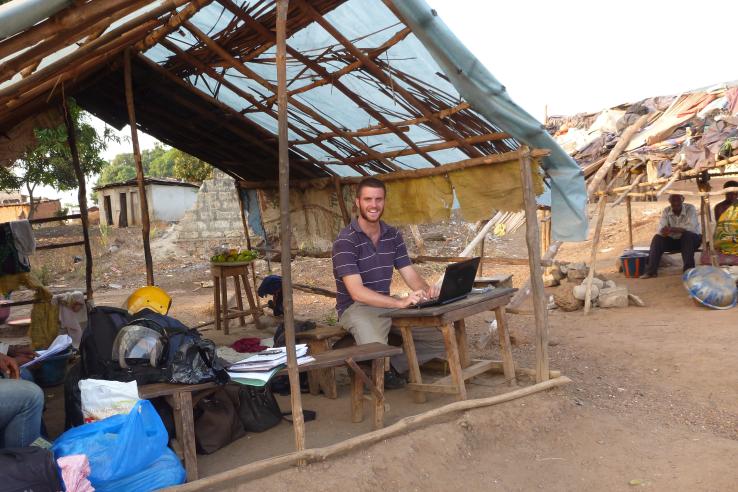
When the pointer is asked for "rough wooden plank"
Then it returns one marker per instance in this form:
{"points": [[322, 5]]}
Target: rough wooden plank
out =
{"points": [[414, 375], [477, 368], [378, 400], [536, 275], [357, 399], [445, 387], [508, 363], [461, 342], [183, 404], [452, 357]]}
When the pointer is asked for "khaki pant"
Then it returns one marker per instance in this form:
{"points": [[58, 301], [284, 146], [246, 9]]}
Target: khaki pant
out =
{"points": [[364, 323]]}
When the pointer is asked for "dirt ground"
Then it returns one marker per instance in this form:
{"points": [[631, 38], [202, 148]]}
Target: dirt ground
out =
{"points": [[652, 402]]}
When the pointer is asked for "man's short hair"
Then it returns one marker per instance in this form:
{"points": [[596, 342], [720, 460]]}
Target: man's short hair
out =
{"points": [[370, 182], [731, 184]]}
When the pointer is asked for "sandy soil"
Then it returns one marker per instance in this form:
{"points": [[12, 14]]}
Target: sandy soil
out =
{"points": [[652, 403]]}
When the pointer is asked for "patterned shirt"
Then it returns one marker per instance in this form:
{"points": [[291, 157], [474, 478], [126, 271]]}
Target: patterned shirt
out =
{"points": [[686, 220], [354, 253]]}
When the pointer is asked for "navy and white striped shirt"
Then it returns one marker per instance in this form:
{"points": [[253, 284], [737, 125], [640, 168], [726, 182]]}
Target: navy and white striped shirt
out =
{"points": [[354, 253]]}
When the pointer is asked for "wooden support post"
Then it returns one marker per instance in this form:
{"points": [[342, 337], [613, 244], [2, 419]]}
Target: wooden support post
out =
{"points": [[593, 255], [145, 225], [81, 193], [246, 233], [536, 276], [285, 233], [341, 203]]}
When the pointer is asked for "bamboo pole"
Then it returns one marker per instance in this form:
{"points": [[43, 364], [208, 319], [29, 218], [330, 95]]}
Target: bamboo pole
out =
{"points": [[242, 474], [286, 233], [628, 190], [522, 294], [593, 255], [81, 194], [142, 199], [341, 202], [246, 233], [533, 242], [623, 142]]}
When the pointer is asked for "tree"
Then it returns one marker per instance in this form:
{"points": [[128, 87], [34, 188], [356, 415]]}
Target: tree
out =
{"points": [[49, 162], [191, 169]]}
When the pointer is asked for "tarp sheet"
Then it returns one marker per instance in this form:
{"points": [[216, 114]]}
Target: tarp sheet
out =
{"points": [[488, 97]]}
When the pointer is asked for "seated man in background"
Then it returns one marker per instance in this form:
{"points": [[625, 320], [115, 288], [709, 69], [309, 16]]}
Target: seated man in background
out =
{"points": [[726, 229], [21, 406], [365, 255], [730, 199], [679, 230]]}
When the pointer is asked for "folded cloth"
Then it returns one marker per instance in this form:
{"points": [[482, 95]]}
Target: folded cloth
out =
{"points": [[248, 345], [24, 240], [75, 469], [71, 314]]}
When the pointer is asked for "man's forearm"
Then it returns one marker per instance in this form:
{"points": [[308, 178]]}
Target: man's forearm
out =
{"points": [[372, 298]]}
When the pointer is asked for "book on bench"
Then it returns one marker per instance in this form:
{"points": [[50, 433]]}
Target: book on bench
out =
{"points": [[258, 369]]}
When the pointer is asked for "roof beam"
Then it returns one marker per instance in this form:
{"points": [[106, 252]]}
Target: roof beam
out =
{"points": [[220, 51], [197, 64], [100, 20], [489, 137], [119, 37], [317, 68], [399, 36], [445, 113], [376, 71]]}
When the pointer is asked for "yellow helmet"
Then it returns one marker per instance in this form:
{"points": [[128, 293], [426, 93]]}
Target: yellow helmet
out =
{"points": [[151, 297]]}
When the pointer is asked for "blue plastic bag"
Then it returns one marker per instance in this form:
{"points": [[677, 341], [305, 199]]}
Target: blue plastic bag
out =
{"points": [[118, 446], [164, 472]]}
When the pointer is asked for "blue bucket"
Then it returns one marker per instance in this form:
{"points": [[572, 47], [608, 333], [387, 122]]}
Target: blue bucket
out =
{"points": [[634, 263], [52, 371]]}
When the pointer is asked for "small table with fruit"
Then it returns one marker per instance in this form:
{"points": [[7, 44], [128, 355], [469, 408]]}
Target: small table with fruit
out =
{"points": [[232, 263]]}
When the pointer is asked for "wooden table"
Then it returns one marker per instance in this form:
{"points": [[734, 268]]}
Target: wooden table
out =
{"points": [[449, 319]]}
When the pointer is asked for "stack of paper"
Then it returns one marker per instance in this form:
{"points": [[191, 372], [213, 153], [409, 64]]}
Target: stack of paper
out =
{"points": [[59, 345], [258, 369]]}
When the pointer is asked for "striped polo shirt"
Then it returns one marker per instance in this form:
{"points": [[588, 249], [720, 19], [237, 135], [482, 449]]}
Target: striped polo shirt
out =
{"points": [[354, 252]]}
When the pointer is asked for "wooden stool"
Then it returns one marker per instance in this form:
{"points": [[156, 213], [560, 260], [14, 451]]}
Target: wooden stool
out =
{"points": [[220, 295], [318, 341]]}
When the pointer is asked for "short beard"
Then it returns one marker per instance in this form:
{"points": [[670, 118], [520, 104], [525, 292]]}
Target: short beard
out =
{"points": [[364, 216]]}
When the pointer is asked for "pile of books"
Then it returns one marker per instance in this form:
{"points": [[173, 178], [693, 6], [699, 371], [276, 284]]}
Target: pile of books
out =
{"points": [[258, 369]]}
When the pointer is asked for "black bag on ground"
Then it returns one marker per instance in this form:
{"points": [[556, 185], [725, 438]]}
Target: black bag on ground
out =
{"points": [[73, 398], [216, 420], [24, 469], [258, 409]]}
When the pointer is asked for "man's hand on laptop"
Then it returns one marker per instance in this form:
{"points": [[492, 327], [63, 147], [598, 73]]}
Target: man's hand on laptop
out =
{"points": [[412, 298], [432, 292]]}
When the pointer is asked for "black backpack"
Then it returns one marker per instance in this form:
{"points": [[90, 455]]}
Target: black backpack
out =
{"points": [[24, 469], [96, 345]]}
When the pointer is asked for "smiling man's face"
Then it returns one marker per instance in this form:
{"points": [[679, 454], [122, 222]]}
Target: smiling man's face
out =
{"points": [[371, 203]]}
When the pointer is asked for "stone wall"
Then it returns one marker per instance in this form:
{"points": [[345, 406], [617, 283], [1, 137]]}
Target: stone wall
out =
{"points": [[214, 220]]}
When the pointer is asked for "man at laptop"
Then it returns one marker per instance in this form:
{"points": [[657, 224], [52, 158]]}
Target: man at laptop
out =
{"points": [[365, 255]]}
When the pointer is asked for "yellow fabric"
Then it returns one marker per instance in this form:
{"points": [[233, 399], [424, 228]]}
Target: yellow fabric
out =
{"points": [[482, 190], [151, 297], [418, 200], [726, 231], [44, 316]]}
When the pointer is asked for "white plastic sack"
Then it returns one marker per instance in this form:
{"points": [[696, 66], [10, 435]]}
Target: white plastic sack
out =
{"points": [[102, 399]]}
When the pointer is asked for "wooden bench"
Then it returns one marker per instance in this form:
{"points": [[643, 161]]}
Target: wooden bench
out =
{"points": [[320, 340], [183, 397]]}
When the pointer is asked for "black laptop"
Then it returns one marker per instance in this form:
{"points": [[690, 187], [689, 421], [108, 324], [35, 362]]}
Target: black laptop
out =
{"points": [[457, 283]]}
